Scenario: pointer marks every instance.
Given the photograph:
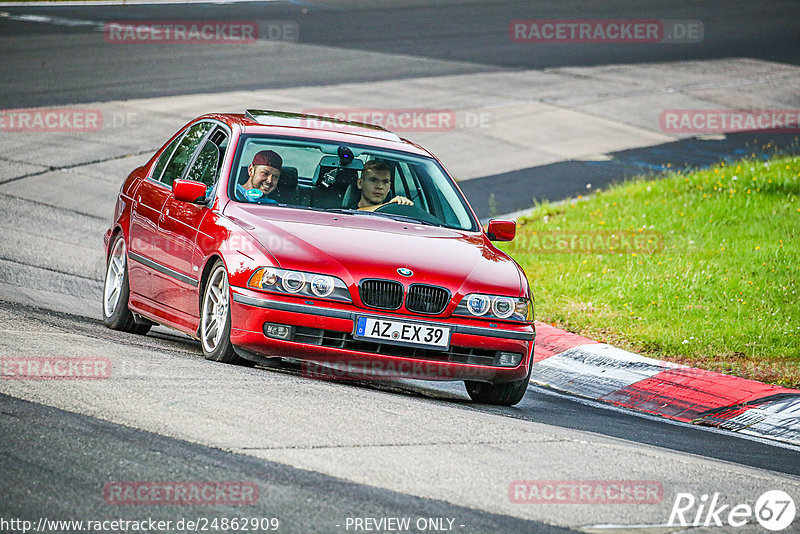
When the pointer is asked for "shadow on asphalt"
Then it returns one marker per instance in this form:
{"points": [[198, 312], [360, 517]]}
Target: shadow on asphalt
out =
{"points": [[519, 190]]}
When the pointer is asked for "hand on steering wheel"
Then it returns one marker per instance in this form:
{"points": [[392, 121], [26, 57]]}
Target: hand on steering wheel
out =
{"points": [[401, 200]]}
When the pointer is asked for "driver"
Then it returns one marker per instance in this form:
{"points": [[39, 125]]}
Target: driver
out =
{"points": [[374, 184], [262, 178]]}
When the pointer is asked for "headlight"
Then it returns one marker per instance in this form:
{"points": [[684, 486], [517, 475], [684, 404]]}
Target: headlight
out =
{"points": [[299, 283], [478, 304], [322, 286], [502, 307], [293, 282], [496, 307]]}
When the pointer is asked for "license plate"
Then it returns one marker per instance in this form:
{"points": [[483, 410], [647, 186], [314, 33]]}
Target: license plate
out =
{"points": [[403, 333]]}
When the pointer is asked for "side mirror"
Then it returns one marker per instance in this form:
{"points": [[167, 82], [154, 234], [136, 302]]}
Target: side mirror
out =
{"points": [[501, 230], [189, 191]]}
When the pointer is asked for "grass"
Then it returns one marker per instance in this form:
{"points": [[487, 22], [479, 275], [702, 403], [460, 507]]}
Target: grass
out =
{"points": [[699, 268]]}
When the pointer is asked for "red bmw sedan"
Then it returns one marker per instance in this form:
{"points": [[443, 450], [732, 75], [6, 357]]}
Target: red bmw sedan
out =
{"points": [[335, 244]]}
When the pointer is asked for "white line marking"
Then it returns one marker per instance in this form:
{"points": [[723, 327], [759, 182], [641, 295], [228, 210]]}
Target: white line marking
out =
{"points": [[81, 3], [605, 406], [615, 527], [57, 21]]}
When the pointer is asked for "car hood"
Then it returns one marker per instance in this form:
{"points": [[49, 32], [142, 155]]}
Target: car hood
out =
{"points": [[358, 246]]}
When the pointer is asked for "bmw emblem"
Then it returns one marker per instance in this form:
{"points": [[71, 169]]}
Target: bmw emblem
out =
{"points": [[405, 272]]}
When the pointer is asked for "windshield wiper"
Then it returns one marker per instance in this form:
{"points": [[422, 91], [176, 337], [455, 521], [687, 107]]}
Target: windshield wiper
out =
{"points": [[406, 218], [314, 208], [393, 216]]}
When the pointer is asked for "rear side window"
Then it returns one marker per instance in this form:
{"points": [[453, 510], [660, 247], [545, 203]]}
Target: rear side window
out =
{"points": [[183, 153]]}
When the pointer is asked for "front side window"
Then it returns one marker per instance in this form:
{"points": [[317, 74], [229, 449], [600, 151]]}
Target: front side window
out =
{"points": [[205, 167], [316, 175]]}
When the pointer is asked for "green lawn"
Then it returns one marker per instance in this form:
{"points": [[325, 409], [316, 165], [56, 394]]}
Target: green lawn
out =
{"points": [[698, 268]]}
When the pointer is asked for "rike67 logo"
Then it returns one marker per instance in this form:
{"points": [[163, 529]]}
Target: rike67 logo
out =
{"points": [[774, 510]]}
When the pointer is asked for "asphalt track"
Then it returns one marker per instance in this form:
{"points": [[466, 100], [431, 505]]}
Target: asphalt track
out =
{"points": [[302, 501], [55, 63], [55, 463], [323, 451]]}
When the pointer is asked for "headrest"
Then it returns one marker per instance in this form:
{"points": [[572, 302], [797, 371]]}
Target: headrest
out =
{"points": [[288, 180], [351, 197]]}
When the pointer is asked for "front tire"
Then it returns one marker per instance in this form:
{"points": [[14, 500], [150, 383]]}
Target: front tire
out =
{"points": [[215, 319], [116, 292], [507, 394]]}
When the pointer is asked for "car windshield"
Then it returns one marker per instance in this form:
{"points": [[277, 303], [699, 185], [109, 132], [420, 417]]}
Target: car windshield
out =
{"points": [[357, 178]]}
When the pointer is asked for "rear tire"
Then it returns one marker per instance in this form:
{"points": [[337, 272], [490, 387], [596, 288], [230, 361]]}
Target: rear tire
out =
{"points": [[506, 394], [215, 319], [116, 292]]}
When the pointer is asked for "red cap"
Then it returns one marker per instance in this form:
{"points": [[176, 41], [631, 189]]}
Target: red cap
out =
{"points": [[269, 158]]}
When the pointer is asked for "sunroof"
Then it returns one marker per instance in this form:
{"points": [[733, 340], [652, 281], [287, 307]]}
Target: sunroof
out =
{"points": [[318, 122]]}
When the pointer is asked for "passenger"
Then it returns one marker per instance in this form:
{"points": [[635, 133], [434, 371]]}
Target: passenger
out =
{"points": [[375, 184], [263, 175]]}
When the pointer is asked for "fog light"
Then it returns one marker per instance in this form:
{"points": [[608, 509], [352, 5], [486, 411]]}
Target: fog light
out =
{"points": [[508, 359], [277, 331]]}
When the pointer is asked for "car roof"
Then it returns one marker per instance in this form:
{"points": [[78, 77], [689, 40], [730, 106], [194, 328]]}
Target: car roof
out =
{"points": [[284, 123]]}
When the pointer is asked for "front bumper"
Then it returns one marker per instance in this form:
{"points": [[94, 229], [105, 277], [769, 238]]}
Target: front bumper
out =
{"points": [[322, 335]]}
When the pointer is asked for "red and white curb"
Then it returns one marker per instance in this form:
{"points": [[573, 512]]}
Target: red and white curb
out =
{"points": [[598, 371]]}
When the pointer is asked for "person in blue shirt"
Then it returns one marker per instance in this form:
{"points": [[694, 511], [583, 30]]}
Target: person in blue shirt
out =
{"points": [[262, 178]]}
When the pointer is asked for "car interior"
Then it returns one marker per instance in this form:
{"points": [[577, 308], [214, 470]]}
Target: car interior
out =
{"points": [[312, 177]]}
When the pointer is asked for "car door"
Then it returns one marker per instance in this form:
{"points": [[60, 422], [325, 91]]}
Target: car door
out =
{"points": [[179, 224], [151, 197]]}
